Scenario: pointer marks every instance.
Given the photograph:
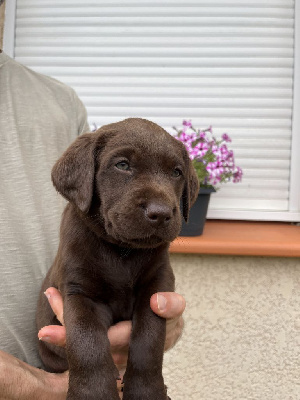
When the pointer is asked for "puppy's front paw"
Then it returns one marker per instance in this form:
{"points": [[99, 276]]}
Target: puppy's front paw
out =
{"points": [[144, 391], [95, 393], [93, 396]]}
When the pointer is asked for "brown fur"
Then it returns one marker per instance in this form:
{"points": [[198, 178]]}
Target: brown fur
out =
{"points": [[113, 254]]}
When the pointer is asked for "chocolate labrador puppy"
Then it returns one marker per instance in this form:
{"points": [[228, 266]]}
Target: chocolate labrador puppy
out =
{"points": [[124, 184]]}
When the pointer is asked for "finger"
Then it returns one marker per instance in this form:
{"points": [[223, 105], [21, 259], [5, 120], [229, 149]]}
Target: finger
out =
{"points": [[119, 335], [173, 331], [120, 360], [120, 388], [54, 334], [167, 304], [56, 302]]}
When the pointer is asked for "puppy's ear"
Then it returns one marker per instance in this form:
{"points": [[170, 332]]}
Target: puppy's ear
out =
{"points": [[190, 191], [73, 174]]}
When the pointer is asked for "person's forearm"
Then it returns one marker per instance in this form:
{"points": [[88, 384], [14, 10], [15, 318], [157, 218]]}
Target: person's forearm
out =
{"points": [[20, 381]]}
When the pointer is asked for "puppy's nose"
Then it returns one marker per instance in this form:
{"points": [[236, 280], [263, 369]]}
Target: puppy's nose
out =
{"points": [[158, 214]]}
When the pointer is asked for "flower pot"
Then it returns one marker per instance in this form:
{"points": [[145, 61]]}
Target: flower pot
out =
{"points": [[198, 213]]}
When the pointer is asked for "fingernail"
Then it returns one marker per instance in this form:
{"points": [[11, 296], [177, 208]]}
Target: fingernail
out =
{"points": [[48, 295], [161, 302], [45, 339]]}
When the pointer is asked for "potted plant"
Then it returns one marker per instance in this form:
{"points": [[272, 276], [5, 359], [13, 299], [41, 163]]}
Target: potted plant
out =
{"points": [[214, 164]]}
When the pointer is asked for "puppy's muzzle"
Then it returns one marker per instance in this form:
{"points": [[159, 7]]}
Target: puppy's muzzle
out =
{"points": [[158, 215]]}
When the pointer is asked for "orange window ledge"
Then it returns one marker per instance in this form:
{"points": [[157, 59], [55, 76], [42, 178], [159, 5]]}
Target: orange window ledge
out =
{"points": [[242, 238]]}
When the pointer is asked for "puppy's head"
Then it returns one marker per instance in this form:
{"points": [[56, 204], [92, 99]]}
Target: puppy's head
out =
{"points": [[129, 178]]}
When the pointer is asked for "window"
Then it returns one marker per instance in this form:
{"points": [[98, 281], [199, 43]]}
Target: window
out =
{"points": [[232, 64]]}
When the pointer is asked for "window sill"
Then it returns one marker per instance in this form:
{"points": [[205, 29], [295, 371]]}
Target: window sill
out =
{"points": [[242, 238]]}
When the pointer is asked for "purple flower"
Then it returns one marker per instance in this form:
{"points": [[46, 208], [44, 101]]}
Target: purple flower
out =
{"points": [[214, 148], [202, 148], [202, 134], [224, 150], [187, 123], [213, 161], [226, 138], [187, 137], [237, 175]]}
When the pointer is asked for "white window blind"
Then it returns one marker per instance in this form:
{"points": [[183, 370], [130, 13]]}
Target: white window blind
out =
{"points": [[225, 63]]}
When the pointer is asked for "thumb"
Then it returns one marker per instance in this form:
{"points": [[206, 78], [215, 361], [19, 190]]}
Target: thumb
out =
{"points": [[167, 304]]}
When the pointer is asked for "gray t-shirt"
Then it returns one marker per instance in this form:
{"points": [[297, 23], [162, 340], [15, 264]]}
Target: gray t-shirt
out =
{"points": [[39, 118]]}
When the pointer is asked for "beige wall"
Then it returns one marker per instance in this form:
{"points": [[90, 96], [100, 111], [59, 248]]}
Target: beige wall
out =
{"points": [[1, 22], [242, 329]]}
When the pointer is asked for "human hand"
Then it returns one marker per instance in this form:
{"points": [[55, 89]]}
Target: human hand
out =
{"points": [[21, 381], [168, 305]]}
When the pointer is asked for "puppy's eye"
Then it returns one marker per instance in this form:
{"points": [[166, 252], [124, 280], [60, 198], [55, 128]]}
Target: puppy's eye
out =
{"points": [[176, 172], [123, 165]]}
